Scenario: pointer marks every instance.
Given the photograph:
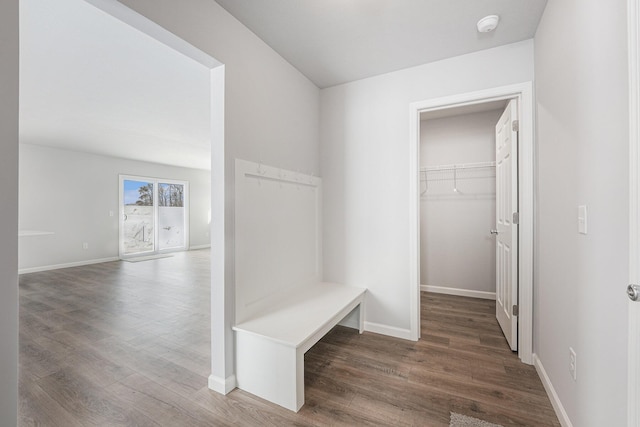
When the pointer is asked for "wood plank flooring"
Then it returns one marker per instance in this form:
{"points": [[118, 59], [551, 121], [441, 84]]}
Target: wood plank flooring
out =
{"points": [[127, 344]]}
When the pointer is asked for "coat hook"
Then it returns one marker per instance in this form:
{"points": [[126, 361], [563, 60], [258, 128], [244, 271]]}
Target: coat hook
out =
{"points": [[260, 173], [260, 170], [426, 183], [455, 179]]}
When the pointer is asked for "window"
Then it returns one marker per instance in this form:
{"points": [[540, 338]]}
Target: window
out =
{"points": [[153, 215]]}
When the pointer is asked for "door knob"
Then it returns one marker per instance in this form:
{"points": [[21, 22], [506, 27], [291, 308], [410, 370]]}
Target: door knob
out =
{"points": [[493, 231], [633, 292]]}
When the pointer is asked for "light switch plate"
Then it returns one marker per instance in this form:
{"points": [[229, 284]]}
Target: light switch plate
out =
{"points": [[582, 219]]}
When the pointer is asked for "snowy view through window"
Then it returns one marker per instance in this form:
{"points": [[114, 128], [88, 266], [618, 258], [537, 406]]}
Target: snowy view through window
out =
{"points": [[170, 216], [139, 216]]}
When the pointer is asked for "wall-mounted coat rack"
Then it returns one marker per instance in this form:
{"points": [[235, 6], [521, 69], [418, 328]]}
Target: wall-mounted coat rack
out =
{"points": [[262, 172]]}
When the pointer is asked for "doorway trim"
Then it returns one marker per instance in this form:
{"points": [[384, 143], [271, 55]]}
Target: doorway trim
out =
{"points": [[222, 378], [523, 93]]}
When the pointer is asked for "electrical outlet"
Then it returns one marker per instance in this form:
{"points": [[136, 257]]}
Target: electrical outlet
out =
{"points": [[85, 245], [572, 363], [110, 213]]}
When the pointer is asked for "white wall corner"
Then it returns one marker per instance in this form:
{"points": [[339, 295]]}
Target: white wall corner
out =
{"points": [[390, 331], [155, 31], [562, 415], [222, 385]]}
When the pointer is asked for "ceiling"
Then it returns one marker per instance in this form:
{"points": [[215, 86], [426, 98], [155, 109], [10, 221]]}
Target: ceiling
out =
{"points": [[89, 82], [338, 41]]}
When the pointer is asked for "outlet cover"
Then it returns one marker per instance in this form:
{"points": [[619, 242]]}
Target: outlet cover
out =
{"points": [[85, 245]]}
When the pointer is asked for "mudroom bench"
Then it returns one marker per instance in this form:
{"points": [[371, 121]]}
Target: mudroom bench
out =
{"points": [[270, 346]]}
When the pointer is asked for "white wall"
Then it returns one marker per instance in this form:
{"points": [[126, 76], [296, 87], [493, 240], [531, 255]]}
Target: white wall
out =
{"points": [[277, 236], [9, 212], [71, 193], [365, 162], [456, 249], [582, 141], [271, 113], [271, 109]]}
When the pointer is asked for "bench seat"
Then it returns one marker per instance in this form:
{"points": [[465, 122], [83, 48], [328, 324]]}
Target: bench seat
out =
{"points": [[270, 347]]}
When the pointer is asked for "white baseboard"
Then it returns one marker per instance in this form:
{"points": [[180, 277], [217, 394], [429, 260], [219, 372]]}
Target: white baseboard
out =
{"points": [[391, 331], [551, 392], [459, 292], [66, 265], [195, 248], [222, 385]]}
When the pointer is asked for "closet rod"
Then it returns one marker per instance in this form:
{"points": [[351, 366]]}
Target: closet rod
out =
{"points": [[458, 166]]}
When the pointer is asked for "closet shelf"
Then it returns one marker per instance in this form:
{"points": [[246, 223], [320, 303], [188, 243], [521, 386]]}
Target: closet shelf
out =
{"points": [[458, 172], [459, 166]]}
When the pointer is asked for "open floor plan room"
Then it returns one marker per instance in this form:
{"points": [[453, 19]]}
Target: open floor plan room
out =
{"points": [[363, 212], [128, 344]]}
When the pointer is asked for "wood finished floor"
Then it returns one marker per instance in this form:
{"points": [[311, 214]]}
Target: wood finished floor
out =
{"points": [[127, 344]]}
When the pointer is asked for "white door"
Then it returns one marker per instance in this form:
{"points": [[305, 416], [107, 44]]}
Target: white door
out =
{"points": [[634, 345], [507, 230], [633, 397], [633, 290]]}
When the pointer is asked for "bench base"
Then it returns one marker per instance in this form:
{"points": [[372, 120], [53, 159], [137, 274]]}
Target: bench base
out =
{"points": [[272, 368]]}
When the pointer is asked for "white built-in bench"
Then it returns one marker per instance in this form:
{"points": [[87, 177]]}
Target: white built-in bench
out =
{"points": [[270, 347], [282, 307]]}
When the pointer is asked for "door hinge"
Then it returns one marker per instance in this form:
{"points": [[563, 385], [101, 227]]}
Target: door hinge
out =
{"points": [[516, 310], [516, 218], [515, 125]]}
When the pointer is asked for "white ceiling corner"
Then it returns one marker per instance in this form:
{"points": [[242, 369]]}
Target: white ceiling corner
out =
{"points": [[338, 41]]}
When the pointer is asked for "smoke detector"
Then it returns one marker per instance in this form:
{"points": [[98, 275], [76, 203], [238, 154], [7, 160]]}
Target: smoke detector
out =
{"points": [[488, 23]]}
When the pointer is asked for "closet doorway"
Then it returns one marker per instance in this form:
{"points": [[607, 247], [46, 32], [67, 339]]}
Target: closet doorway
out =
{"points": [[474, 201], [467, 242]]}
